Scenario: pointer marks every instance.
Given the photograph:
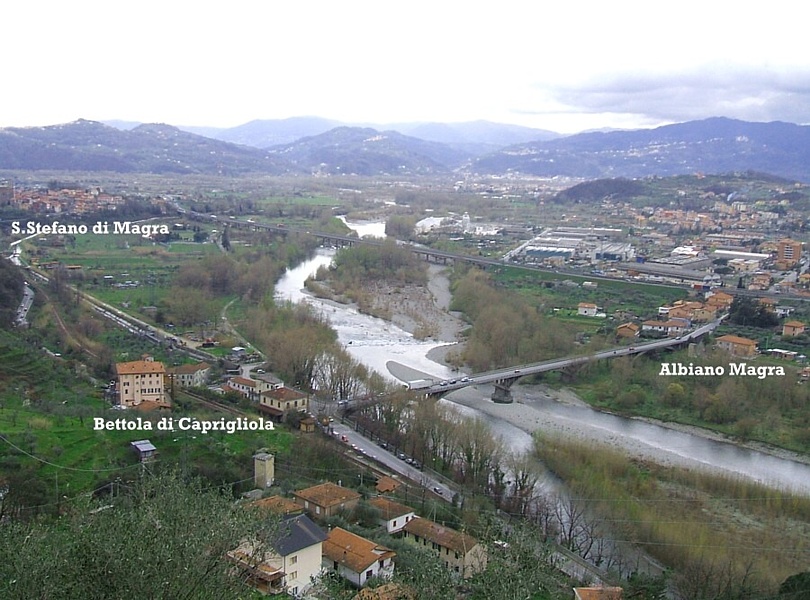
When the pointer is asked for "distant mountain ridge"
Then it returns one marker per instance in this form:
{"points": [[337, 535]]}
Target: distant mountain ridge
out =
{"points": [[366, 151], [716, 145], [473, 137], [154, 148]]}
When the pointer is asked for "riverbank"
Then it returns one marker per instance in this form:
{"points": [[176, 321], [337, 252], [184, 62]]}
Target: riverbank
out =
{"points": [[532, 412], [550, 411]]}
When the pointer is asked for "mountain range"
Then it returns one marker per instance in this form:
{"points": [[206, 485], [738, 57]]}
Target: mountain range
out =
{"points": [[305, 145]]}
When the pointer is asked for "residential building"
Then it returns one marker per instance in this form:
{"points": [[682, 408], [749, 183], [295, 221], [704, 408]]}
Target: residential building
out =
{"points": [[386, 484], [392, 514], [737, 346], [586, 309], [191, 375], [253, 388], [279, 505], [356, 558], [244, 386], [792, 328], [627, 330], [278, 402], [719, 300], [461, 553], [290, 563], [788, 252], [672, 327], [141, 381], [326, 500]]}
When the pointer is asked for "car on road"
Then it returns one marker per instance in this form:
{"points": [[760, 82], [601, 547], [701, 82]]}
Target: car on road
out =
{"points": [[438, 490]]}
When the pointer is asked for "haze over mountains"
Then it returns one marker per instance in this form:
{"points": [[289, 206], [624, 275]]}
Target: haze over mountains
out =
{"points": [[306, 145]]}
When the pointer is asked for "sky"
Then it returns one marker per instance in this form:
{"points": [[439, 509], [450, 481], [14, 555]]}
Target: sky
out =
{"points": [[561, 66]]}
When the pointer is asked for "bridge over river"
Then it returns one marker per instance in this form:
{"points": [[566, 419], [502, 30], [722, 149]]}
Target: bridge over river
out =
{"points": [[503, 379]]}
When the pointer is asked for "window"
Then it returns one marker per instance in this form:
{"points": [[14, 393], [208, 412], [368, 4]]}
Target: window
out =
{"points": [[294, 560], [293, 575], [335, 565], [395, 523], [369, 573]]}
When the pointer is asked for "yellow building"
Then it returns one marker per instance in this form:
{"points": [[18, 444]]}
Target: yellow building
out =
{"points": [[141, 381], [459, 552]]}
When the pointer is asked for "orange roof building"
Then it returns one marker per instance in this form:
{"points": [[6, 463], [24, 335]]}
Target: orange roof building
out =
{"points": [[459, 552], [326, 500], [356, 558], [141, 381]]}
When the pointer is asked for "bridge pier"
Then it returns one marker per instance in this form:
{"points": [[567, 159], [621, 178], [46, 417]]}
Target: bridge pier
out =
{"points": [[502, 394]]}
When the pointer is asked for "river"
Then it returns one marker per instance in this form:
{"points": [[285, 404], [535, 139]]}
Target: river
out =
{"points": [[374, 342]]}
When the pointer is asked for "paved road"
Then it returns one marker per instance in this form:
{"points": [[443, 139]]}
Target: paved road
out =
{"points": [[368, 450]]}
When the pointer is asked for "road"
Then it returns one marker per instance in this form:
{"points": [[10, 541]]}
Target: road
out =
{"points": [[368, 450]]}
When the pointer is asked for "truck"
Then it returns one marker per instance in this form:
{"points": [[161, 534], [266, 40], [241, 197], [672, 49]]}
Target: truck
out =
{"points": [[419, 384]]}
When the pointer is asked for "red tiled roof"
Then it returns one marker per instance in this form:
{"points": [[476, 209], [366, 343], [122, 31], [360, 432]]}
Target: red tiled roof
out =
{"points": [[355, 552], [138, 367], [446, 537], [327, 494]]}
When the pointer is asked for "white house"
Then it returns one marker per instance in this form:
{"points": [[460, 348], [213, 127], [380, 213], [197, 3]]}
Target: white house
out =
{"points": [[586, 309], [291, 563], [392, 514], [355, 558]]}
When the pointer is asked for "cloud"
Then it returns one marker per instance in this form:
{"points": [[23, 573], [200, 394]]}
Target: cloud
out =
{"points": [[752, 93]]}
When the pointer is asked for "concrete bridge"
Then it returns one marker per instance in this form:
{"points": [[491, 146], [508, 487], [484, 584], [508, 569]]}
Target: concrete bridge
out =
{"points": [[503, 379]]}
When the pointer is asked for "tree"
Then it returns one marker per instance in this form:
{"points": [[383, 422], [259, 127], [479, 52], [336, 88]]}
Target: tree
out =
{"points": [[164, 539], [226, 239], [796, 587]]}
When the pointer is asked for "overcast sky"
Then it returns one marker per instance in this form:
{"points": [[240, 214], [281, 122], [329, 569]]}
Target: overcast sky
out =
{"points": [[562, 66]]}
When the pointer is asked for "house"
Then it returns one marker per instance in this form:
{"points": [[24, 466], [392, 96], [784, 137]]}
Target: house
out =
{"points": [[192, 375], [627, 330], [356, 558], [289, 563], [673, 327], [326, 500], [598, 593], [392, 514], [461, 553], [737, 346], [277, 403], [792, 328], [278, 505], [244, 386], [141, 381], [719, 300], [386, 484], [586, 309]]}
